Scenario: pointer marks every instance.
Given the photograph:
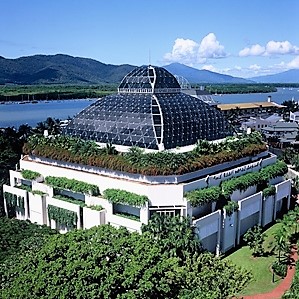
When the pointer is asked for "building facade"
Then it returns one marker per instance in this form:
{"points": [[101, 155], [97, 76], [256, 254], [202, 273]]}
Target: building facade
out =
{"points": [[150, 112]]}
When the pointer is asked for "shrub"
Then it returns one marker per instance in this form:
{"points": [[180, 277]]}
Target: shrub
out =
{"points": [[29, 174], [72, 184], [200, 197], [231, 207], [280, 268], [269, 191], [117, 196]]}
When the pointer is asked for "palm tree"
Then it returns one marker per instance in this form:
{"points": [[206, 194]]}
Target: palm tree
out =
{"points": [[24, 132]]}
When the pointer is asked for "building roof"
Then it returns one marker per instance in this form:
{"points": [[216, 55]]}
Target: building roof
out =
{"points": [[149, 111], [249, 105]]}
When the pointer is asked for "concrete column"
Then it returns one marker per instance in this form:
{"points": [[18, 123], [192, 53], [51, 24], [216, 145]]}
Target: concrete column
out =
{"points": [[238, 213], [218, 234], [261, 209]]}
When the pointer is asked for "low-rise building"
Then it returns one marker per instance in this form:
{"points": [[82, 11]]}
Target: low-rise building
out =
{"points": [[224, 187]]}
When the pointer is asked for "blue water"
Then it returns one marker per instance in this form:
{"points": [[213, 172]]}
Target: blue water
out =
{"points": [[31, 114], [282, 94], [15, 114]]}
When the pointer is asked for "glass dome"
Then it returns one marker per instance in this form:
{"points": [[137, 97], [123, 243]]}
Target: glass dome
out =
{"points": [[149, 111]]}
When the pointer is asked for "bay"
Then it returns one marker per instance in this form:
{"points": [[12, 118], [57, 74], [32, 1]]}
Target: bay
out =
{"points": [[282, 94], [15, 114]]}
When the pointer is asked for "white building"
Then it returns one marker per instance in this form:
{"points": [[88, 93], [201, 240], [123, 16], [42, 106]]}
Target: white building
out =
{"points": [[218, 228]]}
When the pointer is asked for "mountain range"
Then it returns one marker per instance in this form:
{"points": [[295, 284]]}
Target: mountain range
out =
{"points": [[290, 76], [65, 69], [59, 69], [202, 76]]}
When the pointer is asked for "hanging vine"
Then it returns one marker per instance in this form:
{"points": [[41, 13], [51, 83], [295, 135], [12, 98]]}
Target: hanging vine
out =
{"points": [[14, 201], [62, 216]]}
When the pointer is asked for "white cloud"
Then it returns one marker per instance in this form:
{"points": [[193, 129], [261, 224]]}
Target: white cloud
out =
{"points": [[184, 50], [211, 48], [294, 64], [285, 47], [190, 52], [254, 50], [271, 48], [209, 67], [255, 67]]}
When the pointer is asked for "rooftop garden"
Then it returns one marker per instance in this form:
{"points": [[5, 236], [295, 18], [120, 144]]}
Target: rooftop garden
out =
{"points": [[223, 192], [205, 154]]}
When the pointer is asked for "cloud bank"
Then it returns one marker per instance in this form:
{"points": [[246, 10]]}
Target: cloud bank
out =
{"points": [[271, 48], [189, 52]]}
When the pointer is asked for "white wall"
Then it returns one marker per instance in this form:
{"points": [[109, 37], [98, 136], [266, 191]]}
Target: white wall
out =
{"points": [[118, 221], [239, 195], [229, 231], [247, 208], [37, 208], [208, 226], [92, 217], [64, 205], [18, 192], [268, 207]]}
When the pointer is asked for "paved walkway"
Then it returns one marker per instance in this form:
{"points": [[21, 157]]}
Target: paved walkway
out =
{"points": [[283, 286]]}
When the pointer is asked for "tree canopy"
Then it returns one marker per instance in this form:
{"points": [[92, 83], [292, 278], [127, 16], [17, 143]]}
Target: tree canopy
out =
{"points": [[105, 262]]}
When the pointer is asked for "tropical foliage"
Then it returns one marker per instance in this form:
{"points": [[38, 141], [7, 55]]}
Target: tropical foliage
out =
{"points": [[231, 207], [199, 197], [29, 174], [105, 262], [255, 239], [117, 196], [62, 216], [72, 184], [269, 191], [19, 236], [205, 154], [14, 203]]}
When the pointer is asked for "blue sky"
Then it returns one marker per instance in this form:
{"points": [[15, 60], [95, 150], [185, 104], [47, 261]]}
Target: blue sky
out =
{"points": [[237, 37]]}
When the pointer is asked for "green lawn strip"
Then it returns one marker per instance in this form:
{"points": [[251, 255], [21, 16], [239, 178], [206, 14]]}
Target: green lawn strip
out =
{"points": [[260, 267]]}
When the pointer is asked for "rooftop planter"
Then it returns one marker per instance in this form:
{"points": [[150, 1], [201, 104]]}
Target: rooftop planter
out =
{"points": [[136, 161], [71, 200], [31, 175], [202, 196], [117, 196], [72, 185]]}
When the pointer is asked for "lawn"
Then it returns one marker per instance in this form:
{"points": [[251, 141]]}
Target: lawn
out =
{"points": [[260, 267]]}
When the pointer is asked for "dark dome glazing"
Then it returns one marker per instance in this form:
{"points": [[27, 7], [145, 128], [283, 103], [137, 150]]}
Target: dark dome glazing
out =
{"points": [[149, 111]]}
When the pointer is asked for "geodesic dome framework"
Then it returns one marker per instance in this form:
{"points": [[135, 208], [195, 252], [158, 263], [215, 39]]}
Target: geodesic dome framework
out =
{"points": [[149, 111]]}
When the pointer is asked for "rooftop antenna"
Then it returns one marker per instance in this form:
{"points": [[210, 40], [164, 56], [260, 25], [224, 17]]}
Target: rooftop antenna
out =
{"points": [[149, 56]]}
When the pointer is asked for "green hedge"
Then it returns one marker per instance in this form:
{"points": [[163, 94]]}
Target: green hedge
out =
{"points": [[231, 207], [29, 174], [200, 197], [117, 196], [240, 183], [205, 155], [269, 191], [70, 200], [96, 207], [62, 216], [72, 184]]}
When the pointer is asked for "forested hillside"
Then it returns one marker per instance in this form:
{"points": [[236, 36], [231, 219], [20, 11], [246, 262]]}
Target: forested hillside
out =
{"points": [[59, 69]]}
